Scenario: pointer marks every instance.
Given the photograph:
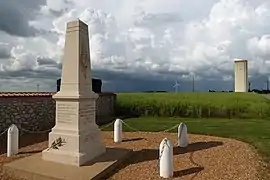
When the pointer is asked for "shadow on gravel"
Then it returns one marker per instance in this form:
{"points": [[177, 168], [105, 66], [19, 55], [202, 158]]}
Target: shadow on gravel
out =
{"points": [[185, 172], [133, 139], [30, 152], [153, 154]]}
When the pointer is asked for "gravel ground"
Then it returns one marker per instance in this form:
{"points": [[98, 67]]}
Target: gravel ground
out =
{"points": [[206, 157]]}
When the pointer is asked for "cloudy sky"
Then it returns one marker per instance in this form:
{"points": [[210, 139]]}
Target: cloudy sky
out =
{"points": [[137, 45]]}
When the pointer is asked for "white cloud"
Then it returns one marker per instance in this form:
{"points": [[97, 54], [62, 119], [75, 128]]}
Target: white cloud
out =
{"points": [[260, 46], [150, 37]]}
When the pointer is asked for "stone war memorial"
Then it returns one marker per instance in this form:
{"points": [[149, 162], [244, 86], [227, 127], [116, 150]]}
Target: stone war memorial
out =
{"points": [[75, 104], [75, 148]]}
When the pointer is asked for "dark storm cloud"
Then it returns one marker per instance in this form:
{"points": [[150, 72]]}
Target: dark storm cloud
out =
{"points": [[124, 82], [258, 82], [128, 82], [4, 53], [163, 74], [121, 76], [36, 74], [15, 15], [124, 76]]}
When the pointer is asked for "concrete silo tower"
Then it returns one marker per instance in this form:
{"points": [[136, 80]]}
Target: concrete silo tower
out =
{"points": [[240, 75]]}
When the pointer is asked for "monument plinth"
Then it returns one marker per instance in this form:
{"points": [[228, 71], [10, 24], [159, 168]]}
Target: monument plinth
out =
{"points": [[75, 138]]}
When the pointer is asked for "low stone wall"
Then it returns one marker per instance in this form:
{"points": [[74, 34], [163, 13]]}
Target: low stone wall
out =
{"points": [[105, 105], [36, 111]]}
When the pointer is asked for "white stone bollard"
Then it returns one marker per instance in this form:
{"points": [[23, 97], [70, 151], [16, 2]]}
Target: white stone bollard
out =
{"points": [[182, 135], [166, 159], [117, 131], [12, 140]]}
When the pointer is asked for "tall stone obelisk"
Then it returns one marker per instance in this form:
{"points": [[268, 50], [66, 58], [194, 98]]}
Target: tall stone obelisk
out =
{"points": [[75, 138]]}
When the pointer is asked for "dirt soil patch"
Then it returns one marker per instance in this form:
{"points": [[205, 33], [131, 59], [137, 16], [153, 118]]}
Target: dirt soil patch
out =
{"points": [[206, 157]]}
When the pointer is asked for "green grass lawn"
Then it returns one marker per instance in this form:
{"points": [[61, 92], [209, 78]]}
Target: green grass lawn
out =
{"points": [[254, 132]]}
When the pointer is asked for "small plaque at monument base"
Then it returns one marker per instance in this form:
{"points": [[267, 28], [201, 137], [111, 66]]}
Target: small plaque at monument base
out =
{"points": [[66, 112], [87, 112]]}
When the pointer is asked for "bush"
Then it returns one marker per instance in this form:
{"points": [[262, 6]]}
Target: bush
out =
{"points": [[194, 105]]}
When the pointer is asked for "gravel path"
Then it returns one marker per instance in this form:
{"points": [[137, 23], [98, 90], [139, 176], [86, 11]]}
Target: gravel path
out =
{"points": [[206, 157]]}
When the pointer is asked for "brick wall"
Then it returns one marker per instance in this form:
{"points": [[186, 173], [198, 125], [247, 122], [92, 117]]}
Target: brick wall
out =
{"points": [[36, 111]]}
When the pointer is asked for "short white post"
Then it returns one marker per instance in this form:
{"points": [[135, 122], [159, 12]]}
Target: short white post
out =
{"points": [[12, 140], [117, 131], [182, 135], [166, 158]]}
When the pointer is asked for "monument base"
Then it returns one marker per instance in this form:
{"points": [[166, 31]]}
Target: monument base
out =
{"points": [[34, 168], [77, 150], [76, 138], [71, 158]]}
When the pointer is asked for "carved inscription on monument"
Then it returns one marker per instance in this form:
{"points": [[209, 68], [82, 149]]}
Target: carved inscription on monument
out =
{"points": [[87, 113], [66, 113], [91, 136]]}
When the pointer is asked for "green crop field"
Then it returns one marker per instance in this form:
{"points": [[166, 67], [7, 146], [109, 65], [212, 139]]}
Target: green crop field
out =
{"points": [[194, 105]]}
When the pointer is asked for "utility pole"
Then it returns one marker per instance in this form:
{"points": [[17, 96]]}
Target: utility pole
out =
{"points": [[193, 84]]}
